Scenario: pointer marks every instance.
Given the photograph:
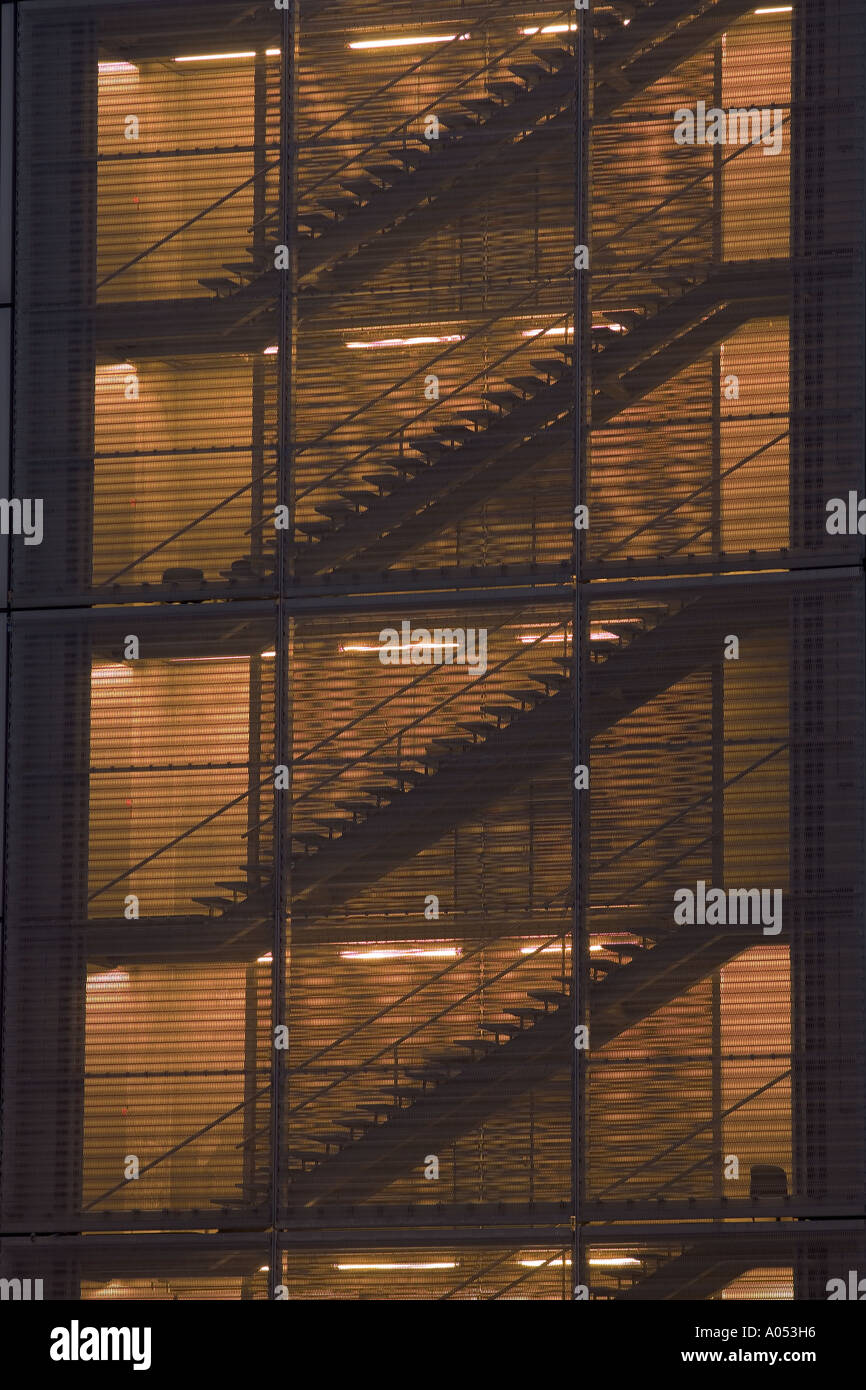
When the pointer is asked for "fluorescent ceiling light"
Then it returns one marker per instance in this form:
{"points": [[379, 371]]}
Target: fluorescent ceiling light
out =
{"points": [[266, 959], [361, 647], [435, 1264], [212, 57], [776, 9], [562, 332], [405, 953], [408, 42], [110, 69], [615, 1262], [551, 29], [269, 351], [551, 1264], [409, 342]]}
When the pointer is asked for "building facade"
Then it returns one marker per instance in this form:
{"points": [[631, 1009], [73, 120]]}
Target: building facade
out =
{"points": [[478, 913]]}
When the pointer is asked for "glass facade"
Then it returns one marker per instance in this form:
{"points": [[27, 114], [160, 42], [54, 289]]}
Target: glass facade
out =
{"points": [[434, 660]]}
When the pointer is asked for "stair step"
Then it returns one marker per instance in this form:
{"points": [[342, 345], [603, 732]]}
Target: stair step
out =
{"points": [[309, 837], [410, 467], [454, 431], [525, 1013], [526, 696], [553, 679], [314, 529], [476, 1044], [339, 507], [476, 726], [549, 996], [332, 823], [428, 445], [219, 283], [507, 1030], [414, 157], [338, 204], [552, 366], [509, 91], [458, 120], [528, 72], [235, 885], [482, 106], [387, 173], [212, 900], [362, 188], [481, 418], [500, 711], [245, 268], [382, 481], [529, 385], [358, 808], [316, 221], [361, 497], [555, 55], [450, 745], [411, 776], [505, 399]]}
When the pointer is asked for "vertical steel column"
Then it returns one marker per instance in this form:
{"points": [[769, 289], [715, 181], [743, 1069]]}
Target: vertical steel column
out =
{"points": [[47, 851], [284, 624], [580, 643]]}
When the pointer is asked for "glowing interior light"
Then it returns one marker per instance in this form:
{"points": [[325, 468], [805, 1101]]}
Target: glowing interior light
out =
{"points": [[409, 342], [264, 1269], [268, 653], [111, 68], [116, 367], [550, 1264], [550, 29], [114, 672], [615, 1262], [273, 52], [433, 1264], [266, 959], [408, 42], [548, 950], [269, 351], [405, 953], [362, 647], [527, 637], [212, 57], [107, 979], [776, 9], [603, 636], [561, 332]]}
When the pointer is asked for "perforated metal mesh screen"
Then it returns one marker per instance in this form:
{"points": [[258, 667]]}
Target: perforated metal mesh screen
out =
{"points": [[434, 660]]}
